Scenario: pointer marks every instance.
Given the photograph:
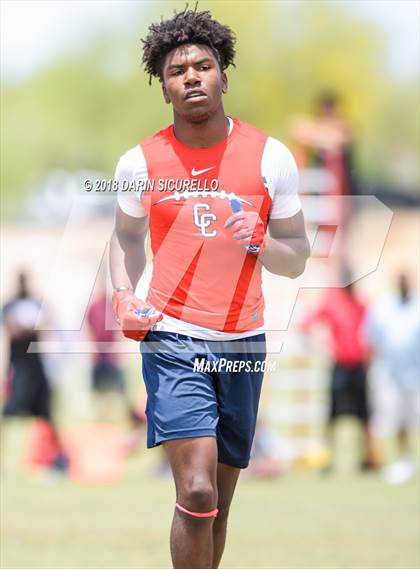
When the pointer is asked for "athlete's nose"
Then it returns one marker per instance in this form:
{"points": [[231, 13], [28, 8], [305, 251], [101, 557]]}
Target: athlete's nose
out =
{"points": [[191, 76]]}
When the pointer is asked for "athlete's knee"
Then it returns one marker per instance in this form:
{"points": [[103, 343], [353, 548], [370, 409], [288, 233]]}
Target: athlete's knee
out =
{"points": [[198, 496]]}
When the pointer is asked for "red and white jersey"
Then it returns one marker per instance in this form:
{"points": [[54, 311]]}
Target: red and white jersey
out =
{"points": [[205, 283]]}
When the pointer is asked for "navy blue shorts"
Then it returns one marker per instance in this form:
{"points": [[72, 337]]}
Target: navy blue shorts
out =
{"points": [[199, 388]]}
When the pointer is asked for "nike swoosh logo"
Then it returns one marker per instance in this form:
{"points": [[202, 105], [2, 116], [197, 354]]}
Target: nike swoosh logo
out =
{"points": [[195, 172]]}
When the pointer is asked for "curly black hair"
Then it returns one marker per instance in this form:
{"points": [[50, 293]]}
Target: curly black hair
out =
{"points": [[188, 26]]}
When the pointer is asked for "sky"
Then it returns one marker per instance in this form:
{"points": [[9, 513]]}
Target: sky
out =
{"points": [[34, 32]]}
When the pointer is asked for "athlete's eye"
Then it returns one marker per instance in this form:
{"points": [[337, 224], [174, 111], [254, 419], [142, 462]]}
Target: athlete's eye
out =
{"points": [[205, 67]]}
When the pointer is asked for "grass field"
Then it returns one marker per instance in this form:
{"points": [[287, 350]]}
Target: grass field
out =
{"points": [[299, 521]]}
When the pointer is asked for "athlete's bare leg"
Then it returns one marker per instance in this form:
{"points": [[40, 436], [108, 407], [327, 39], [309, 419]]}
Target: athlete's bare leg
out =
{"points": [[194, 467], [227, 476]]}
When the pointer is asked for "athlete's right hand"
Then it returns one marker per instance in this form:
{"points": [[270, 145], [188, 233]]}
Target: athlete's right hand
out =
{"points": [[134, 316]]}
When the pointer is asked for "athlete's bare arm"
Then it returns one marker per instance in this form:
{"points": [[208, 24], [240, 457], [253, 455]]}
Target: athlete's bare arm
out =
{"points": [[127, 250], [287, 247]]}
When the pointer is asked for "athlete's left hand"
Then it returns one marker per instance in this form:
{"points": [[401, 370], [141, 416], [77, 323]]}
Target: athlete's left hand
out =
{"points": [[247, 228]]}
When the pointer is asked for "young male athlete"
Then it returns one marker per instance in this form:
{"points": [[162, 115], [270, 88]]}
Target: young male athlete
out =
{"points": [[214, 185]]}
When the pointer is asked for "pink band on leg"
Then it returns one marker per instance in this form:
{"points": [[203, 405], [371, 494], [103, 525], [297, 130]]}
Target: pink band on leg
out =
{"points": [[211, 514]]}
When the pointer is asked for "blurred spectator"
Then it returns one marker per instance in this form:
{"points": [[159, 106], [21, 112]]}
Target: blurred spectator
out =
{"points": [[107, 375], [27, 390], [343, 313], [326, 141], [324, 149], [393, 332]]}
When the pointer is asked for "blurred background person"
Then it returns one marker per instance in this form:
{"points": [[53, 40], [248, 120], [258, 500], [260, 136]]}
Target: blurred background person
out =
{"points": [[393, 333], [324, 149], [343, 313], [27, 390], [107, 376], [326, 142]]}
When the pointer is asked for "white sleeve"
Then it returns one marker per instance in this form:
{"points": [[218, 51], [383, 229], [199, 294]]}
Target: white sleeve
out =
{"points": [[130, 173], [281, 178]]}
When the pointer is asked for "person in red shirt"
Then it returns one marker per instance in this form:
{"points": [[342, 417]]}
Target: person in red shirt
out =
{"points": [[107, 376], [106, 373], [343, 313], [209, 186]]}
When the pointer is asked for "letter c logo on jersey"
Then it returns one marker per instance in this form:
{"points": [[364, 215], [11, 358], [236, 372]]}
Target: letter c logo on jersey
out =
{"points": [[203, 220]]}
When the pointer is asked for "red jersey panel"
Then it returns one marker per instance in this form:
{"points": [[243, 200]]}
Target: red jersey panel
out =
{"points": [[200, 274], [344, 316]]}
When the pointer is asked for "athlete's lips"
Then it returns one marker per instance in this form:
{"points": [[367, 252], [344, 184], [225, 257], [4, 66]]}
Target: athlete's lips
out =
{"points": [[194, 93]]}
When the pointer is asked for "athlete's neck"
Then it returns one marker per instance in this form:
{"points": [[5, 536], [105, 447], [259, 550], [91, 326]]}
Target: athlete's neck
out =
{"points": [[202, 134]]}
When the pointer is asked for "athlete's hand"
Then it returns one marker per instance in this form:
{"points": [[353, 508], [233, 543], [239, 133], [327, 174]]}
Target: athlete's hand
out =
{"points": [[133, 315], [248, 229]]}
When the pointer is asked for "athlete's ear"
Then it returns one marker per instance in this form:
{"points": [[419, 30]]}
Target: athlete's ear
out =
{"points": [[165, 94], [224, 83]]}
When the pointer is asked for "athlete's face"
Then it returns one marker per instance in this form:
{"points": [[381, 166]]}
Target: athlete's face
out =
{"points": [[193, 82]]}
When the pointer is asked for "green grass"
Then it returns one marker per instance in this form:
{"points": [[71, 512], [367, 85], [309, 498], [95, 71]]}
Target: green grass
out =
{"points": [[300, 521]]}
